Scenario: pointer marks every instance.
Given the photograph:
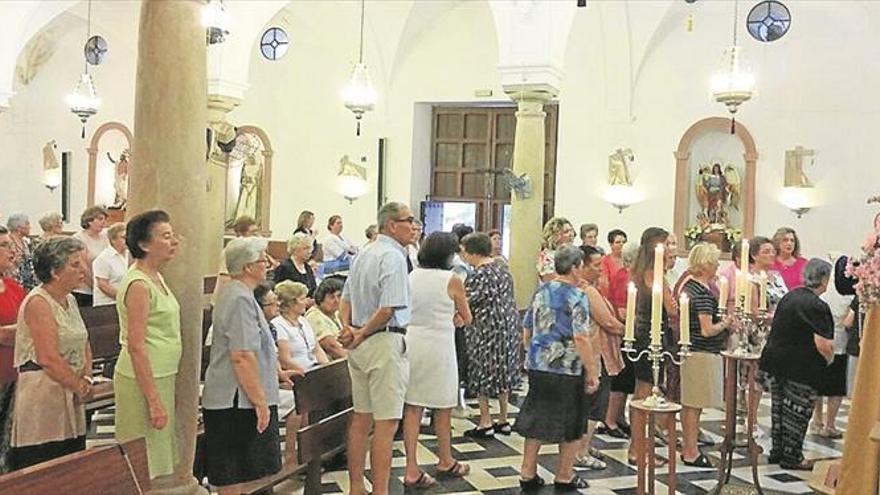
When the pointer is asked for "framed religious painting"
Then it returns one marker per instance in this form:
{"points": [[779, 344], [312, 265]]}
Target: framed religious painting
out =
{"points": [[715, 184], [248, 177]]}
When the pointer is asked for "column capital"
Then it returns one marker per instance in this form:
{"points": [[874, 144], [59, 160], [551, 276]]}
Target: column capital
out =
{"points": [[219, 105], [530, 78]]}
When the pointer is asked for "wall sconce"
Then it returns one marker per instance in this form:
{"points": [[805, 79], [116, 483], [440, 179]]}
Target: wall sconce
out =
{"points": [[798, 199], [51, 168], [216, 21], [352, 179], [520, 185], [622, 197]]}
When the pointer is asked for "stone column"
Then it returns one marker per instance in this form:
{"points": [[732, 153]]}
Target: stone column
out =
{"points": [[169, 150], [527, 214], [215, 216]]}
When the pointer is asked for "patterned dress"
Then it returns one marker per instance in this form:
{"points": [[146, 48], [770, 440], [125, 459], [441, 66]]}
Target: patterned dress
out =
{"points": [[493, 340]]}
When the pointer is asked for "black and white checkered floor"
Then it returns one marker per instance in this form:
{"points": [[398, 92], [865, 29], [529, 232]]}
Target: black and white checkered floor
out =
{"points": [[495, 462]]}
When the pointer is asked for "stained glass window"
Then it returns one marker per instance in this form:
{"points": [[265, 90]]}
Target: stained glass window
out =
{"points": [[274, 43], [768, 21]]}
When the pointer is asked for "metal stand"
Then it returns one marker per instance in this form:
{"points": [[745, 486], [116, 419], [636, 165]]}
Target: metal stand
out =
{"points": [[656, 355], [642, 417]]}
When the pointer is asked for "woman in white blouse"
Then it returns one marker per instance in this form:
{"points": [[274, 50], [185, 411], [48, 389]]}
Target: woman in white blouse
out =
{"points": [[298, 348]]}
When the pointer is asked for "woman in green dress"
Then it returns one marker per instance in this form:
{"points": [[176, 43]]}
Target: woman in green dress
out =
{"points": [[149, 333]]}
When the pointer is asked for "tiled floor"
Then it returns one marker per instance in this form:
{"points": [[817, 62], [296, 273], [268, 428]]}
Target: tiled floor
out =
{"points": [[495, 462]]}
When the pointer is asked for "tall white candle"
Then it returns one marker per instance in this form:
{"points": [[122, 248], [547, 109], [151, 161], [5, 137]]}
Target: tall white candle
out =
{"points": [[723, 290], [684, 308], [656, 312], [737, 300], [629, 333], [744, 256], [659, 263], [747, 293]]}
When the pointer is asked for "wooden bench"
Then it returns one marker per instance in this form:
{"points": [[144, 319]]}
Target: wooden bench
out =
{"points": [[102, 323], [324, 393], [120, 469]]}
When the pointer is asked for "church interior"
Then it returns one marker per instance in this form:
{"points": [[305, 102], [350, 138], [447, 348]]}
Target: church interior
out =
{"points": [[718, 121]]}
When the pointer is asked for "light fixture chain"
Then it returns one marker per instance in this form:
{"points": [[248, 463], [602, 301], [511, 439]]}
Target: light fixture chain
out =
{"points": [[735, 19], [88, 34], [361, 49]]}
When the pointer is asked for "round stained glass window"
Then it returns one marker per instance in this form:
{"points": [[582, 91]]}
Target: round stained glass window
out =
{"points": [[768, 21], [95, 50], [274, 43]]}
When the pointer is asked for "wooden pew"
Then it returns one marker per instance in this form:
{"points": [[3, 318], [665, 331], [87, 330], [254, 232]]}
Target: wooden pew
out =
{"points": [[120, 469], [102, 323], [324, 393]]}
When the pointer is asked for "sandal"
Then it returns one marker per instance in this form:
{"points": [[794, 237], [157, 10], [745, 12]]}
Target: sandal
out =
{"points": [[425, 481], [701, 461], [503, 428], [576, 483], [597, 453], [458, 470], [832, 433], [533, 484], [487, 432], [658, 462]]}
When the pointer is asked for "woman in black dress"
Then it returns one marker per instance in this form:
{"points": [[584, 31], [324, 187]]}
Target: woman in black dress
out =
{"points": [[297, 267]]}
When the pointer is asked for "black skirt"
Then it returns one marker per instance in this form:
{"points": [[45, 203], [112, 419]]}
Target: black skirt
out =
{"points": [[625, 381], [555, 409], [597, 402], [833, 382], [234, 451]]}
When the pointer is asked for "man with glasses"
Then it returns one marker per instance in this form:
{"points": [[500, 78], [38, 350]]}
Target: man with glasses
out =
{"points": [[375, 310]]}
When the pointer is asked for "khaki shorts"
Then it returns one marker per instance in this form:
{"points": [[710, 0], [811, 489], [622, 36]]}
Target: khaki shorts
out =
{"points": [[379, 371], [702, 380]]}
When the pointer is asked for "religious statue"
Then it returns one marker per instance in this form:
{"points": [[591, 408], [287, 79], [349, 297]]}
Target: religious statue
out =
{"points": [[718, 190], [794, 167], [120, 179], [248, 151], [618, 167], [50, 161]]}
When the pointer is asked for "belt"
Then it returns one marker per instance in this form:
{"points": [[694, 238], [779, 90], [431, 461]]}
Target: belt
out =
{"points": [[389, 329], [29, 366]]}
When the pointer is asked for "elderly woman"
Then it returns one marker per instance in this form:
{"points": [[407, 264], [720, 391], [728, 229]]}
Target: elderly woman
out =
{"points": [[701, 374], [371, 233], [437, 297], [557, 232], [149, 333], [54, 359], [589, 233], [240, 398], [23, 270], [324, 318], [11, 296], [298, 349], [798, 350], [52, 225], [493, 340], [110, 266], [95, 239], [297, 267], [562, 370], [789, 262]]}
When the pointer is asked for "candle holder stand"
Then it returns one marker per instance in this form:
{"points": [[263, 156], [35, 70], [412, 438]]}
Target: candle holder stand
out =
{"points": [[656, 355], [751, 330]]}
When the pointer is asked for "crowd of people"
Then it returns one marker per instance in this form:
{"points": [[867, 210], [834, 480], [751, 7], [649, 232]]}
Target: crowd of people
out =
{"points": [[423, 321]]}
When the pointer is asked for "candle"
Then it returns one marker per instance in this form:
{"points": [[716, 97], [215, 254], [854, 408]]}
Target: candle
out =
{"points": [[629, 334], [659, 263], [684, 308], [737, 301], [656, 312], [747, 293], [762, 294], [744, 256], [723, 290]]}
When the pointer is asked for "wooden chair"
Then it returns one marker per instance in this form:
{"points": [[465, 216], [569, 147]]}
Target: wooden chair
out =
{"points": [[120, 469]]}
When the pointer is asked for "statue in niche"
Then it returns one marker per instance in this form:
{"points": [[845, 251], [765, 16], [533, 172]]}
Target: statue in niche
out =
{"points": [[248, 151], [120, 179], [718, 190], [618, 167], [794, 167]]}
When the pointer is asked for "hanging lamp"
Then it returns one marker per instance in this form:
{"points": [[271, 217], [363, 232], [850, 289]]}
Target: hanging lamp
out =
{"points": [[84, 101], [359, 95], [733, 84]]}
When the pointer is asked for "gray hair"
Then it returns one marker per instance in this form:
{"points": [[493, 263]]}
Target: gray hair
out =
{"points": [[630, 251], [299, 239], [388, 212], [242, 251], [568, 257], [816, 272], [15, 221], [371, 231], [51, 255], [50, 220]]}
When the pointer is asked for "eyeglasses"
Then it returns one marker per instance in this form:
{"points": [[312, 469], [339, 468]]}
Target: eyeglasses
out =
{"points": [[264, 261], [269, 303], [408, 220]]}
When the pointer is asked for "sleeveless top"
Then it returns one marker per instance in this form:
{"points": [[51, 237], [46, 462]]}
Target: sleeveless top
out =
{"points": [[72, 335], [431, 305], [162, 337]]}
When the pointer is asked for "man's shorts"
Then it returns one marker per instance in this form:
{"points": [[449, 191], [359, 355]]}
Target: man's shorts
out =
{"points": [[379, 371]]}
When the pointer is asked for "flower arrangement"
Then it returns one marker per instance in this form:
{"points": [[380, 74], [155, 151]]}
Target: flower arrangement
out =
{"points": [[866, 269], [696, 232]]}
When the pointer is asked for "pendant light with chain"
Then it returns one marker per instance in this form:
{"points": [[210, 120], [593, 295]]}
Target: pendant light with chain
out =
{"points": [[84, 101], [733, 85], [359, 95]]}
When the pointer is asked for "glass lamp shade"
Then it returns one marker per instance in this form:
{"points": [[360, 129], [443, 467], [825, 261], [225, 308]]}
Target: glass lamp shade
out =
{"points": [[733, 84], [52, 178], [352, 186], [84, 101], [359, 95], [622, 197]]}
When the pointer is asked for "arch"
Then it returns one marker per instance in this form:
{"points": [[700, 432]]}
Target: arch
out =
{"points": [[266, 185], [93, 152], [683, 154]]}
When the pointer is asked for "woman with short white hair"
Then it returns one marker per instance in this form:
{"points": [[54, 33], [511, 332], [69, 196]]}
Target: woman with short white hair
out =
{"points": [[23, 271], [240, 399], [296, 267], [702, 373], [52, 225]]}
